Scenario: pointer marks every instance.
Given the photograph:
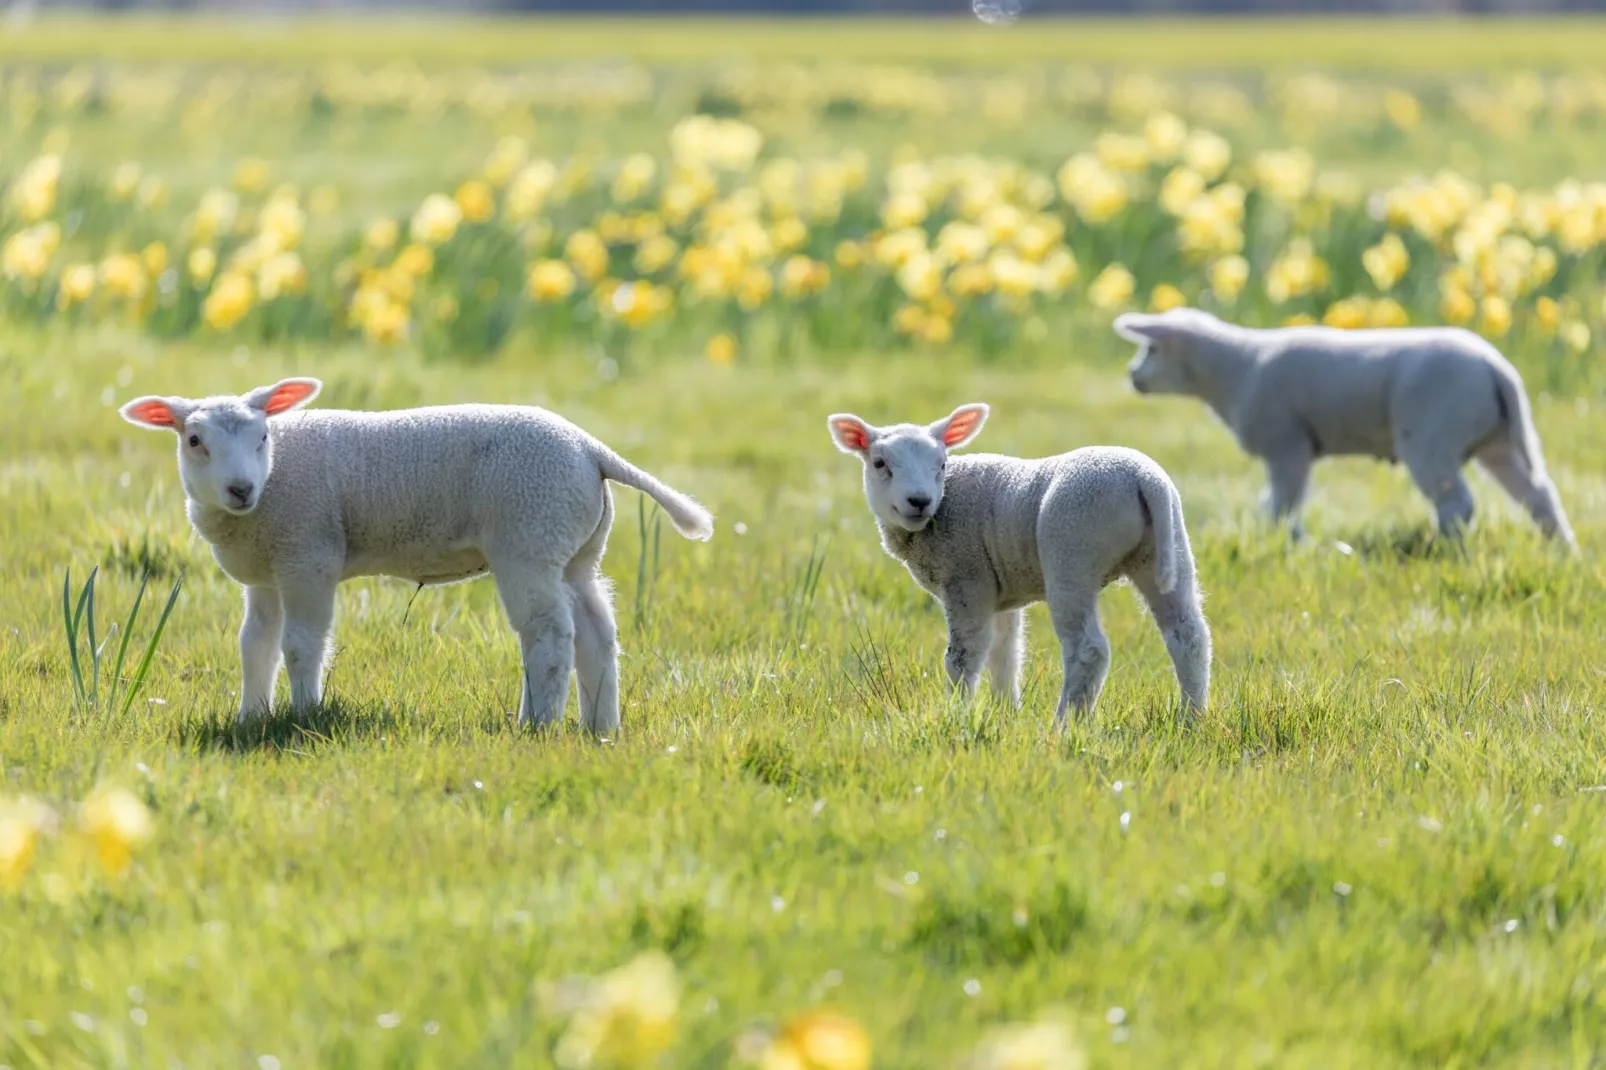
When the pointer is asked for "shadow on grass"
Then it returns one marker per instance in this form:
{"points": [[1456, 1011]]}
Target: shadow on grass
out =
{"points": [[335, 721], [1402, 543]]}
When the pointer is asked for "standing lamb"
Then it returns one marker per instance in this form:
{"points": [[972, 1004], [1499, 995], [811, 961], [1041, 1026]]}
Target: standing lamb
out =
{"points": [[294, 504], [989, 535], [1432, 398]]}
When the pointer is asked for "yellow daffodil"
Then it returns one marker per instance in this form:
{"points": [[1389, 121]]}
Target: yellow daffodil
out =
{"points": [[117, 824], [721, 349], [550, 280], [436, 220], [819, 1040], [24, 822], [628, 1017], [1112, 288], [231, 298]]}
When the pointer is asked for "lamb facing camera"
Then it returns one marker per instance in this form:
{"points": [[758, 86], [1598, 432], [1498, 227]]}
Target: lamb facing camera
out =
{"points": [[989, 535], [293, 502], [1429, 398]]}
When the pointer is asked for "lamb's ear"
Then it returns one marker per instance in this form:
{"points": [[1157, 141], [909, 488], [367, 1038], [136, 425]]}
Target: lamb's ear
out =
{"points": [[851, 434], [962, 425], [157, 414], [1137, 327], [284, 395]]}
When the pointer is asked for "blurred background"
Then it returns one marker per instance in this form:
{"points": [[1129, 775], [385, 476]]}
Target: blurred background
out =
{"points": [[885, 7]]}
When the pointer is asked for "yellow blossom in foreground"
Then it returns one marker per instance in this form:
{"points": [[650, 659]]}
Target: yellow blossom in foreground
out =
{"points": [[231, 298], [1165, 297], [33, 193], [201, 263], [77, 283], [550, 280], [23, 823], [1040, 1046], [1387, 262], [819, 1040], [436, 220], [476, 200], [1112, 288], [628, 1017], [27, 253], [118, 824], [721, 348]]}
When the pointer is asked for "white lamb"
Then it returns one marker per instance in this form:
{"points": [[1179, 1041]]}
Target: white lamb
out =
{"points": [[1430, 398], [294, 504], [989, 535]]}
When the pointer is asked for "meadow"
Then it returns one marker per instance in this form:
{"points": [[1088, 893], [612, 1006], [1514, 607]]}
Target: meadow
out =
{"points": [[1382, 845]]}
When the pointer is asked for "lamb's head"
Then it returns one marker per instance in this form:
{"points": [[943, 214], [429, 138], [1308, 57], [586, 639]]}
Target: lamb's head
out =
{"points": [[1166, 345], [224, 451], [904, 464]]}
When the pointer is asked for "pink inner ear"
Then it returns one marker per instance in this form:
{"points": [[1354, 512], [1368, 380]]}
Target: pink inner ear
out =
{"points": [[853, 435], [287, 396], [153, 412], [960, 427]]}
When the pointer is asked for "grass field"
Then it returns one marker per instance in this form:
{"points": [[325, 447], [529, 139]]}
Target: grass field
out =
{"points": [[1382, 846]]}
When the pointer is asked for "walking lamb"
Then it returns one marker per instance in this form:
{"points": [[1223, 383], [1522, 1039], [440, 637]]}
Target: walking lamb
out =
{"points": [[1430, 398], [295, 502], [989, 535]]}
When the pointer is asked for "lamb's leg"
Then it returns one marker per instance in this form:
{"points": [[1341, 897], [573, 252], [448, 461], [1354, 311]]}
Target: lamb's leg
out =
{"points": [[1536, 494], [596, 655], [1288, 479], [1182, 625], [538, 608], [1083, 648], [309, 611], [970, 635], [1004, 657], [1439, 478], [260, 635]]}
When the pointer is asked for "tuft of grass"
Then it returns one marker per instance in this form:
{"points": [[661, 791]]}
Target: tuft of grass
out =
{"points": [[79, 620]]}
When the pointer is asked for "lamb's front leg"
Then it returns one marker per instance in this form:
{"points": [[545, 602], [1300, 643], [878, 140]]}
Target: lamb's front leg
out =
{"points": [[1004, 658], [309, 612], [970, 636], [260, 635], [1288, 472]]}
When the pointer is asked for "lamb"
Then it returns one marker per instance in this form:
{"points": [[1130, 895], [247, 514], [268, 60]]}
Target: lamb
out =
{"points": [[1431, 398], [988, 535], [295, 502]]}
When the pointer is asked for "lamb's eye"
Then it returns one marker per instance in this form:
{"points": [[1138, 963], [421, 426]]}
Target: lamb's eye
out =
{"points": [[879, 463], [195, 440]]}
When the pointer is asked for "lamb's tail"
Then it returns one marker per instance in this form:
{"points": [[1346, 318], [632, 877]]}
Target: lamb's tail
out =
{"points": [[1165, 513], [1519, 418], [689, 518]]}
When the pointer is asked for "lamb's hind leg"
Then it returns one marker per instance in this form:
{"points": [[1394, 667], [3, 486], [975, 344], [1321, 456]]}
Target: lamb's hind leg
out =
{"points": [[1182, 625], [1083, 648], [538, 605], [1004, 657], [1536, 494], [1439, 477], [596, 637]]}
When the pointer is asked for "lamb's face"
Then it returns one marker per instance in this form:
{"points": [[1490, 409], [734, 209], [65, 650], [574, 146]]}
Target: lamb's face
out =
{"points": [[904, 465], [224, 450], [225, 455], [1160, 368], [1163, 364]]}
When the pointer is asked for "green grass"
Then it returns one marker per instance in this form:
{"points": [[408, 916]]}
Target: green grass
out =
{"points": [[1382, 846]]}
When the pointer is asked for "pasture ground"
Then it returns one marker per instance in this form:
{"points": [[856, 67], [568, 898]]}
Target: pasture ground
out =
{"points": [[1382, 846]]}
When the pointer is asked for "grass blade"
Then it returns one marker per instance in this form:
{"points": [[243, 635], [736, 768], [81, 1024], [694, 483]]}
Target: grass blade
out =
{"points": [[70, 623], [138, 679], [94, 648], [128, 631]]}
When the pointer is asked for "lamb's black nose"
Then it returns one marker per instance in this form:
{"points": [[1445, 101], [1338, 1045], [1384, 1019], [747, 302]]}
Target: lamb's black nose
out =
{"points": [[918, 502], [241, 492]]}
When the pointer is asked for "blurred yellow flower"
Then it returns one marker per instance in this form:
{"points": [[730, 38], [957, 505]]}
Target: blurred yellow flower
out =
{"points": [[1044, 1045], [920, 276], [505, 160], [436, 220], [848, 255], [117, 824], [1286, 176], [1165, 297], [635, 178], [1403, 109], [154, 257], [1297, 272], [1207, 153], [386, 323], [628, 1017], [214, 215], [819, 1040], [655, 254], [1576, 335], [124, 180], [1112, 288], [1228, 277], [415, 261], [550, 280], [790, 233], [27, 253], [381, 235], [802, 277], [77, 284], [723, 144], [446, 308], [904, 210], [1180, 189], [1387, 262], [33, 191], [231, 298], [122, 275], [1121, 153], [1547, 315], [909, 319], [1097, 194], [530, 188], [1496, 315], [281, 223], [250, 175], [721, 348], [200, 264], [1299, 319], [1456, 304], [281, 274], [323, 200], [24, 822], [754, 287], [586, 251], [476, 201], [153, 192], [1166, 135]]}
